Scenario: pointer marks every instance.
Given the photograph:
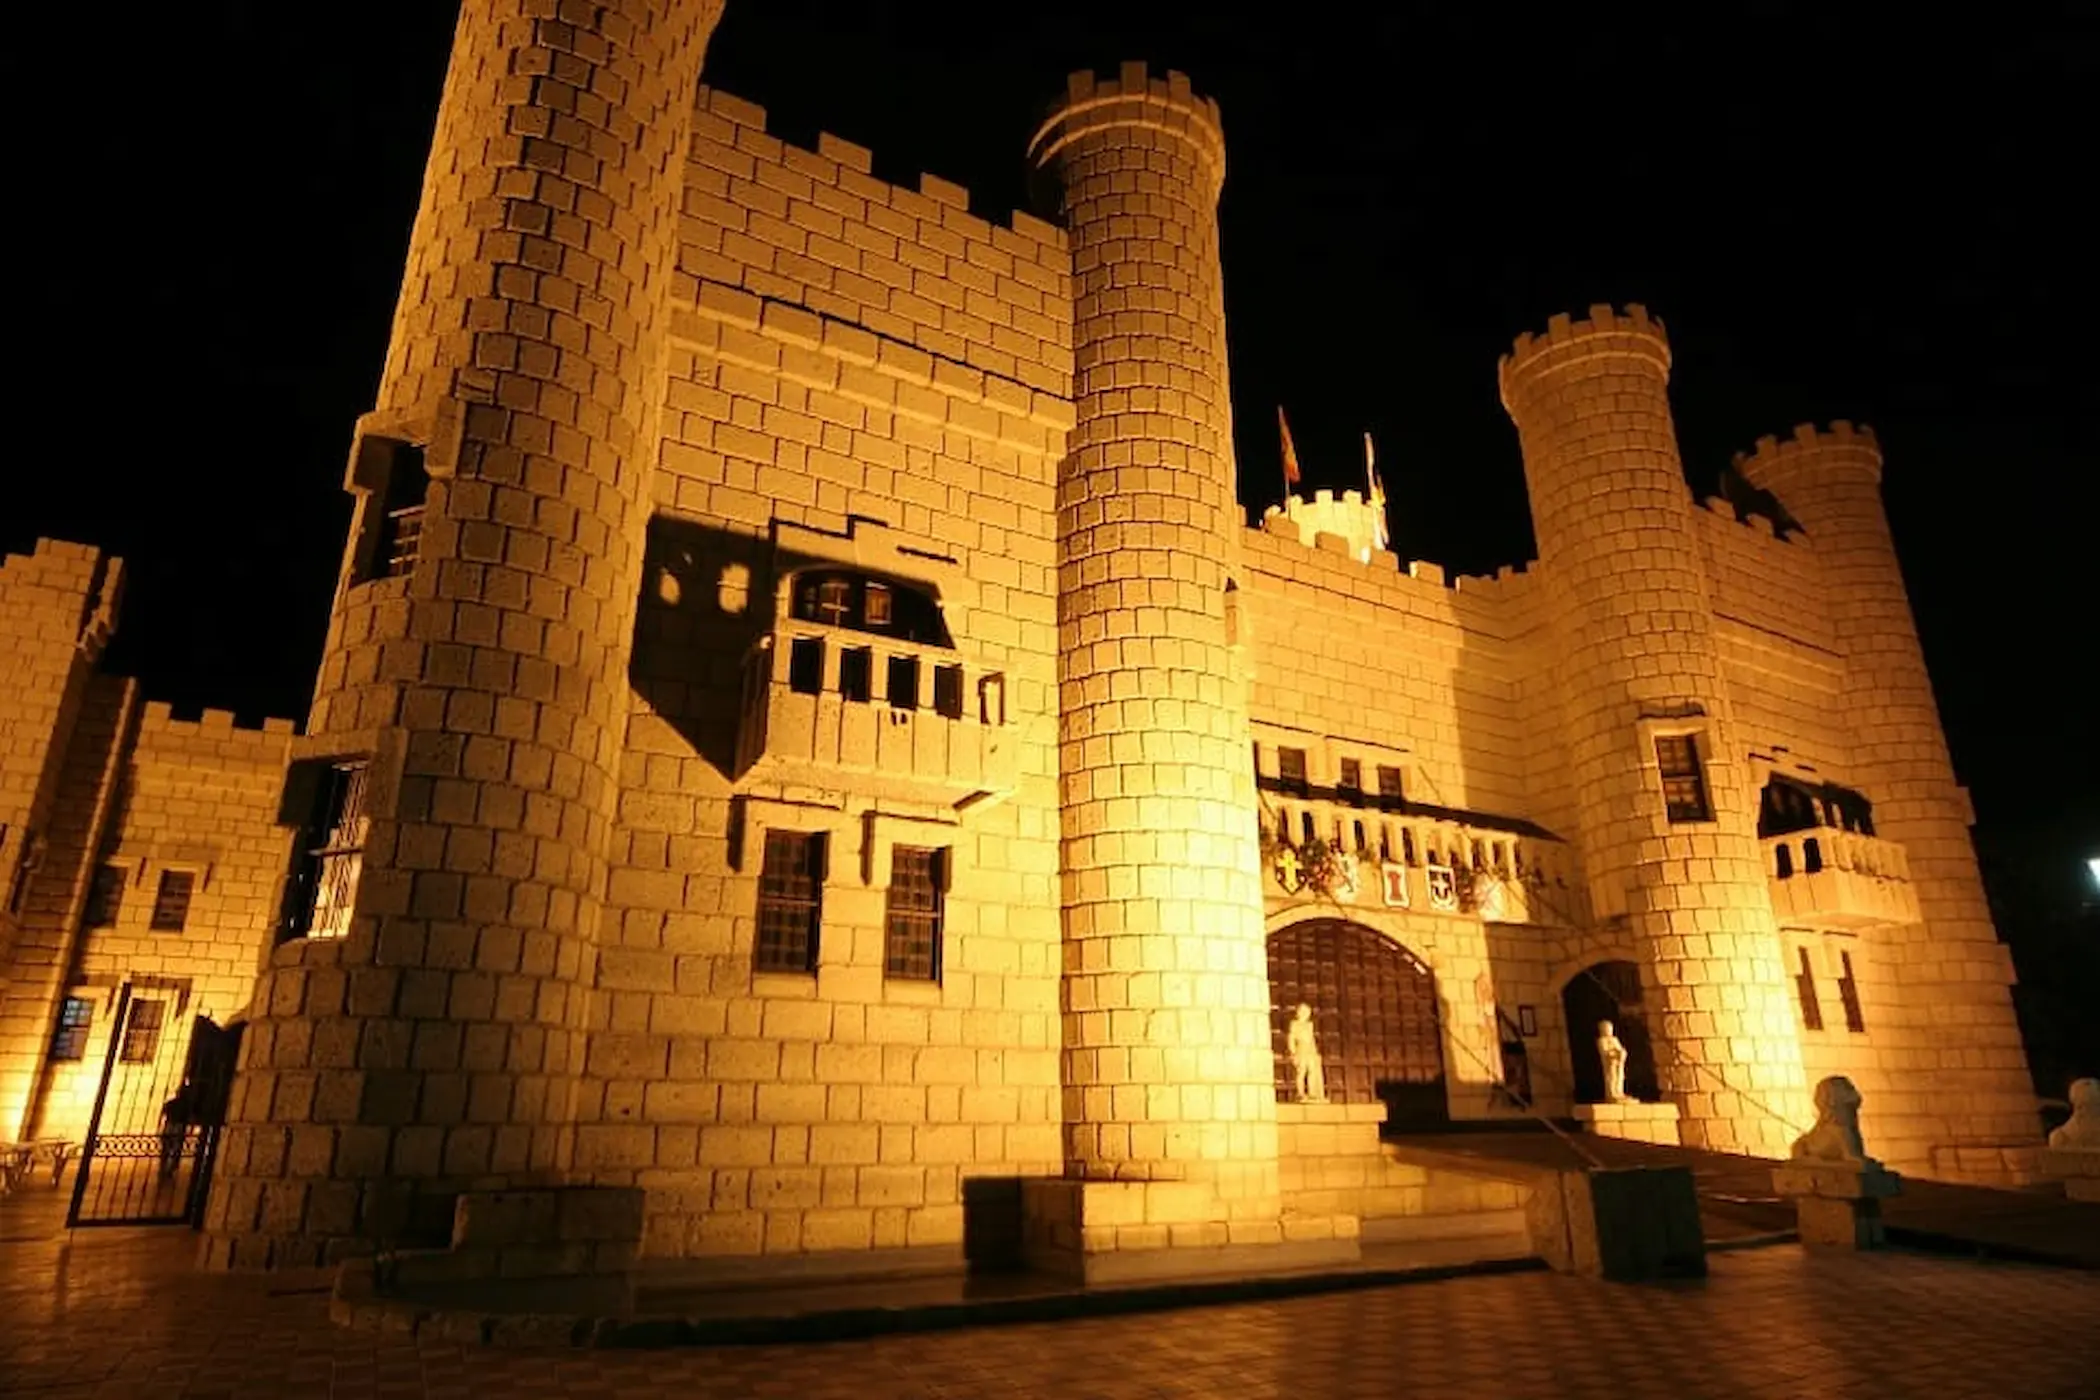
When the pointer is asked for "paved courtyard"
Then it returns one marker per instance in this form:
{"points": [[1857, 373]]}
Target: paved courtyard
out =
{"points": [[117, 1313]]}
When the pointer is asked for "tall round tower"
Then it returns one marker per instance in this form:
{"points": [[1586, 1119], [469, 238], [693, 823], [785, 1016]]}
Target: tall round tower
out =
{"points": [[421, 1031], [1666, 815], [1959, 1073], [1168, 1072]]}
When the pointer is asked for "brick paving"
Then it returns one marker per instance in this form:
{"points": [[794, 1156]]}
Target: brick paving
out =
{"points": [[119, 1314]]}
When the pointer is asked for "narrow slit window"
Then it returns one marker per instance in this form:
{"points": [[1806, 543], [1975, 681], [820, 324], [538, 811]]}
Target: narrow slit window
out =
{"points": [[1848, 993], [903, 693], [105, 896], [171, 901], [76, 1019], [856, 673], [806, 665], [1805, 989], [142, 1032], [913, 913], [790, 902], [1684, 782]]}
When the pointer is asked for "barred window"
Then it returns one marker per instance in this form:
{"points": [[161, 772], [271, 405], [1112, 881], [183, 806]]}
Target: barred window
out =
{"points": [[1848, 993], [1389, 787], [105, 896], [1805, 989], [1351, 782], [76, 1017], [1684, 784], [790, 902], [322, 890], [913, 913], [1290, 770], [142, 1032], [392, 528], [171, 902]]}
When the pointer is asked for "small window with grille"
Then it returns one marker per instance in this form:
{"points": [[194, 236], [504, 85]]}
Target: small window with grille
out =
{"points": [[76, 1018], [142, 1032], [321, 894], [1389, 787], [393, 520], [1684, 781], [1805, 990], [1848, 993], [171, 901], [1290, 770], [790, 902], [913, 913], [1349, 784], [105, 896]]}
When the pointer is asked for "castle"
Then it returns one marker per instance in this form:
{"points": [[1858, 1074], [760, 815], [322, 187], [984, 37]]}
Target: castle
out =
{"points": [[805, 726]]}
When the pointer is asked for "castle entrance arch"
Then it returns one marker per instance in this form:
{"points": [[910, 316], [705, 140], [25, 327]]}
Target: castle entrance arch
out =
{"points": [[1374, 1012], [1609, 991]]}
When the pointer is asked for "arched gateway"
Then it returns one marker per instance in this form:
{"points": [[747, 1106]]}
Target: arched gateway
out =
{"points": [[1375, 1012]]}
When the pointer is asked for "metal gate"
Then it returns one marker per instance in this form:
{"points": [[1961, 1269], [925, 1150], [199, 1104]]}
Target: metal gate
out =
{"points": [[1374, 1014], [158, 1114]]}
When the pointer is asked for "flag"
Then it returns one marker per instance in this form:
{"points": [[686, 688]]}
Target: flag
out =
{"points": [[1374, 491], [1290, 453]]}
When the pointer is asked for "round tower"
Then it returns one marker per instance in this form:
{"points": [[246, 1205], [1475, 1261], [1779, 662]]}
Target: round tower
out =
{"points": [[424, 1032], [1168, 1071], [1666, 816], [1958, 1029]]}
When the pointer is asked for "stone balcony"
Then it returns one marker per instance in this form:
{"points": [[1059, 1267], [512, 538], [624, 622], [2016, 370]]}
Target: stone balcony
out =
{"points": [[829, 707], [1827, 878]]}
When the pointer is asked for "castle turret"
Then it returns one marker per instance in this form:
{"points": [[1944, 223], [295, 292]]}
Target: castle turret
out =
{"points": [[1667, 818], [420, 1028], [1959, 1088], [1168, 1067]]}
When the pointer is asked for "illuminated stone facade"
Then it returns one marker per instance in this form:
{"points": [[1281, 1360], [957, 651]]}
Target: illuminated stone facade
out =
{"points": [[805, 728]]}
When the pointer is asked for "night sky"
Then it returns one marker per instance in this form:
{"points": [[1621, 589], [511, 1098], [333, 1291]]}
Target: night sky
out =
{"points": [[1837, 216]]}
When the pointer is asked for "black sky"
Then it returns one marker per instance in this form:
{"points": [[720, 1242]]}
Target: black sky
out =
{"points": [[1839, 214]]}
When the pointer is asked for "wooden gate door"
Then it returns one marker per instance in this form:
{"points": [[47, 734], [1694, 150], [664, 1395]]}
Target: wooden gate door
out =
{"points": [[1374, 1013]]}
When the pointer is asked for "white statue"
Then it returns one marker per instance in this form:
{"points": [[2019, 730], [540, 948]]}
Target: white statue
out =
{"points": [[1612, 1053], [2082, 1129], [1835, 1138], [1304, 1051]]}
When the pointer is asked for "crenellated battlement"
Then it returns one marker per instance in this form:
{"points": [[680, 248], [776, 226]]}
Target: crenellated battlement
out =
{"points": [[1568, 340], [947, 203], [1133, 98], [159, 716], [1842, 444]]}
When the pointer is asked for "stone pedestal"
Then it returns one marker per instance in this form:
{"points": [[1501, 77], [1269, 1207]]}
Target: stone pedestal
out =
{"points": [[1627, 1224], [1838, 1203], [1636, 1122], [2078, 1168]]}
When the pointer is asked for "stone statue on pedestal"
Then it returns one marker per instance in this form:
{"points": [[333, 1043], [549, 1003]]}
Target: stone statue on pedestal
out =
{"points": [[1835, 1138], [2082, 1129], [1612, 1053], [1306, 1070]]}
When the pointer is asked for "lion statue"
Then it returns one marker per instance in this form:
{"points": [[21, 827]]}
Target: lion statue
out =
{"points": [[1835, 1138], [2082, 1129]]}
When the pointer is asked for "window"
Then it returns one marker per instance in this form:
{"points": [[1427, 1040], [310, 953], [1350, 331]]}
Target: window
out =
{"points": [[1684, 785], [1290, 769], [913, 913], [856, 673], [329, 799], [1848, 993], [105, 896], [1389, 790], [790, 902], [834, 601], [948, 691], [142, 1032], [904, 682], [393, 525], [1805, 989], [1350, 784], [171, 902], [875, 605], [841, 598], [806, 665], [76, 1017]]}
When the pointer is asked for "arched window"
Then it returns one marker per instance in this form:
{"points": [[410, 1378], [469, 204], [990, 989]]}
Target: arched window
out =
{"points": [[864, 603]]}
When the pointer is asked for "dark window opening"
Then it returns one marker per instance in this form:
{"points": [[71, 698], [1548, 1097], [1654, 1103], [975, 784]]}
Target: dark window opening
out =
{"points": [[790, 902], [330, 800], [105, 896], [842, 598], [1360, 843], [1783, 862], [1350, 785], [1305, 828], [400, 490], [1788, 805], [1848, 993], [1385, 842], [1407, 846], [806, 666], [171, 902], [1390, 795], [142, 1032], [1684, 783], [948, 691], [912, 913], [856, 673], [76, 1018], [1805, 989], [1811, 855], [903, 693], [1290, 771]]}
